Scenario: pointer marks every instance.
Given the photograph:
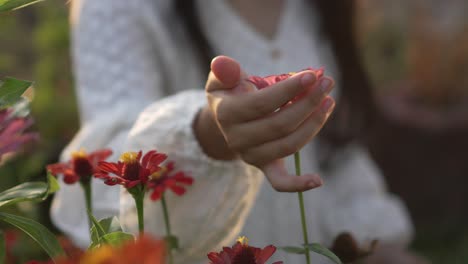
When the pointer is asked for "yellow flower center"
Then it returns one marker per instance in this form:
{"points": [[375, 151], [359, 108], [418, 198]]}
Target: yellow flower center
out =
{"points": [[129, 157], [243, 240], [291, 73], [157, 174], [79, 154]]}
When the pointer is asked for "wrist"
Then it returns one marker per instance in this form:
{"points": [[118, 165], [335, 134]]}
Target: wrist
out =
{"points": [[209, 136]]}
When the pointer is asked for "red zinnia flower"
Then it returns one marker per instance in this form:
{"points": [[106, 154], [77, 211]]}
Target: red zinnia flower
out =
{"points": [[242, 253], [12, 135], [81, 167], [129, 170], [164, 178], [263, 82]]}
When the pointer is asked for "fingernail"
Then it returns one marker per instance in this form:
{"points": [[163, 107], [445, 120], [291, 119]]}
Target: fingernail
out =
{"points": [[325, 85], [327, 104], [307, 79], [315, 183]]}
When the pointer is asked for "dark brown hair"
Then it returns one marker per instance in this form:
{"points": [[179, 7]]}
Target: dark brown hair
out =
{"points": [[354, 114]]}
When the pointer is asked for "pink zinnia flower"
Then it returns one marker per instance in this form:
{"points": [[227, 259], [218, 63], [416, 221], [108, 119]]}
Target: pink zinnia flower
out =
{"points": [[263, 82], [12, 135]]}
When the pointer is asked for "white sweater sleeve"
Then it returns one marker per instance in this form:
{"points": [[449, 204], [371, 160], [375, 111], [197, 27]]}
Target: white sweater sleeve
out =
{"points": [[212, 212], [115, 80]]}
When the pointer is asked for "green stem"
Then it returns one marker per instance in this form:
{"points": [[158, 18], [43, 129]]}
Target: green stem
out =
{"points": [[168, 224], [89, 207], [139, 197], [297, 160]]}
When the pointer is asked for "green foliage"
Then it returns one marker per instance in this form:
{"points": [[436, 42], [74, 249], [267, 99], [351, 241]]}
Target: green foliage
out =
{"points": [[29, 191], [36, 231], [319, 249], [11, 91], [314, 247], [8, 5], [172, 242], [294, 250], [117, 238], [107, 231]]}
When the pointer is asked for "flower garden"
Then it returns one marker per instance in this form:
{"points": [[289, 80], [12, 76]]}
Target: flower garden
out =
{"points": [[30, 237]]}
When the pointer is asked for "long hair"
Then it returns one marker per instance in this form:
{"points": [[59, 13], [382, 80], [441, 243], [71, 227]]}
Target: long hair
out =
{"points": [[353, 115]]}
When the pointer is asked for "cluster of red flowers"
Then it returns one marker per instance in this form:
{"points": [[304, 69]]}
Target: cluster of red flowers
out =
{"points": [[131, 170]]}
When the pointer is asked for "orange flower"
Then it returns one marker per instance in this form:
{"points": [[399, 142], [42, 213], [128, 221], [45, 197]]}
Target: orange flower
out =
{"points": [[145, 250], [81, 167], [242, 253]]}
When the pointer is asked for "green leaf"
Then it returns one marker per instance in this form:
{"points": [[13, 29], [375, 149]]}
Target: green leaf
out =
{"points": [[97, 226], [53, 185], [7, 5], [3, 248], [11, 89], [172, 242], [294, 250], [106, 226], [36, 231], [319, 249], [117, 238], [29, 191]]}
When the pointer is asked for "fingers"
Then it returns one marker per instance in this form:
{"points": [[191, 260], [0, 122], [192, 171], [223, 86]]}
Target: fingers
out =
{"points": [[225, 74], [285, 121], [281, 181], [250, 106], [292, 143]]}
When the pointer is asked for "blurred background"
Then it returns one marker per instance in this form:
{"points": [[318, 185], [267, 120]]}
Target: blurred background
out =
{"points": [[416, 53]]}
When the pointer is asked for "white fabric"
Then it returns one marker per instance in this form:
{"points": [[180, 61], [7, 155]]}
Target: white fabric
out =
{"points": [[139, 87]]}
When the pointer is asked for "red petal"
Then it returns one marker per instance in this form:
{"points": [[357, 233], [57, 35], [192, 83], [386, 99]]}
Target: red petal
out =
{"points": [[177, 189], [215, 258], [132, 184], [99, 155], [157, 193], [70, 178], [146, 158], [264, 254], [110, 167], [183, 178], [58, 168]]}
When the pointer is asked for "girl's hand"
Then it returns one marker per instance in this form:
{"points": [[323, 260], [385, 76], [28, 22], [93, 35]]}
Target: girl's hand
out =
{"points": [[256, 125]]}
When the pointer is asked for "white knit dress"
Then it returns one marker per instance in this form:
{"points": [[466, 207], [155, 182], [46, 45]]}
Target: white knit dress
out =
{"points": [[140, 86]]}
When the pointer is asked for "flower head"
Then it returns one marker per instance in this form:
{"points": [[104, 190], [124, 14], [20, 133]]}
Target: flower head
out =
{"points": [[165, 179], [263, 82], [131, 169], [81, 166], [242, 253], [12, 135], [144, 250]]}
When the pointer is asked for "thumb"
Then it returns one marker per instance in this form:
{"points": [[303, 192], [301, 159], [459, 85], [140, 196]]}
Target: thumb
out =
{"points": [[225, 74]]}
